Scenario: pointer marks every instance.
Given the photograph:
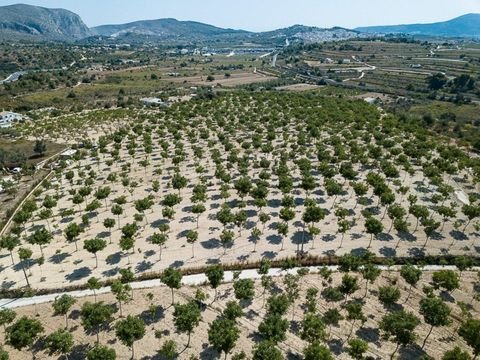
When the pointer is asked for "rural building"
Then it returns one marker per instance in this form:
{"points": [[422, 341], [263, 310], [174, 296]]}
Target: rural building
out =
{"points": [[153, 101], [7, 118], [67, 154]]}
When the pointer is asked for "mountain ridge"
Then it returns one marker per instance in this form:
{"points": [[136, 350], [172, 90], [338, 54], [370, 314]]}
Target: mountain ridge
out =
{"points": [[20, 21], [29, 22], [467, 25]]}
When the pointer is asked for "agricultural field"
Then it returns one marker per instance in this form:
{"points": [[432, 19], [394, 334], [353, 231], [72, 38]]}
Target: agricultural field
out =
{"points": [[177, 190], [350, 312], [163, 191], [247, 180], [419, 77]]}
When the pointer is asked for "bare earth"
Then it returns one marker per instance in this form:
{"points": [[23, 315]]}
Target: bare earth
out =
{"points": [[441, 339]]}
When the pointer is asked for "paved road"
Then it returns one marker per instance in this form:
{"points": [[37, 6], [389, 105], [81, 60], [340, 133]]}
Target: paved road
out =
{"points": [[190, 280]]}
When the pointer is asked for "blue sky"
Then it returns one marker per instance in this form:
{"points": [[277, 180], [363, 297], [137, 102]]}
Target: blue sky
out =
{"points": [[260, 15]]}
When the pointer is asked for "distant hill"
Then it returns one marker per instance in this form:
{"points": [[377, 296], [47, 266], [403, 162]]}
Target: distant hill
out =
{"points": [[167, 29], [38, 23], [463, 26]]}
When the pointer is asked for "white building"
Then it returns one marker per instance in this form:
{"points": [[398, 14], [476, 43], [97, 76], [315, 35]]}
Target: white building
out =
{"points": [[153, 101], [68, 154], [7, 118]]}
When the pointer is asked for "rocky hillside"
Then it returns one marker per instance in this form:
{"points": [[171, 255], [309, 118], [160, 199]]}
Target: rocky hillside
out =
{"points": [[38, 23], [170, 29]]}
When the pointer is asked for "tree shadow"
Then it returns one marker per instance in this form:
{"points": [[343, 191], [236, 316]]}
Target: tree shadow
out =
{"points": [[356, 236], [384, 237], [447, 297], [24, 263], [416, 252], [58, 258], [370, 335], [437, 236], [458, 235], [251, 314], [211, 244], [74, 314], [152, 318], [406, 236], [103, 235], [269, 254], [213, 261], [177, 264], [182, 234], [274, 239], [79, 352], [243, 258], [110, 272], [388, 251], [329, 238], [187, 209], [208, 353], [187, 219], [149, 253], [8, 284], [78, 274], [274, 203], [114, 259], [360, 251], [156, 224], [336, 346], [143, 266], [66, 220], [411, 352]]}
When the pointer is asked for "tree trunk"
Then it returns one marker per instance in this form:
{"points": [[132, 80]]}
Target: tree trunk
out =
{"points": [[25, 273], [11, 256], [133, 352], [351, 330], [426, 338], [173, 300], [409, 294], [370, 243], [160, 253], [303, 239], [96, 261], [188, 342], [426, 241], [394, 352]]}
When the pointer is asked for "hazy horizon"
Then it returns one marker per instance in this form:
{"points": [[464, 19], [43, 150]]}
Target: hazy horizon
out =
{"points": [[265, 15]]}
